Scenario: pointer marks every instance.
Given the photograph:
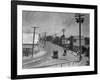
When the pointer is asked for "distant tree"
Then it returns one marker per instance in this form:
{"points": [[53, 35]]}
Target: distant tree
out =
{"points": [[84, 49], [49, 38], [57, 40]]}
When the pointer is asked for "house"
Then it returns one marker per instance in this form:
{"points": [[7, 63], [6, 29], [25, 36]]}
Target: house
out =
{"points": [[27, 43], [76, 41]]}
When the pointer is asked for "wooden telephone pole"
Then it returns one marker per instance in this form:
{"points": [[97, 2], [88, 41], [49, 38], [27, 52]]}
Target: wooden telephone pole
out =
{"points": [[45, 38], [80, 20], [63, 30], [34, 29]]}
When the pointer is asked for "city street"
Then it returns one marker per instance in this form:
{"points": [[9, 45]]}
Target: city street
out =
{"points": [[44, 58]]}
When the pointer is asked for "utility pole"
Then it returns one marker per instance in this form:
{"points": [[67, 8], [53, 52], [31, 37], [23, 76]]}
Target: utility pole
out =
{"points": [[45, 38], [33, 39], [63, 30], [63, 37], [80, 20]]}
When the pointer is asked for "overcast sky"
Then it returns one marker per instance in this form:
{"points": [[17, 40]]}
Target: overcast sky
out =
{"points": [[53, 22]]}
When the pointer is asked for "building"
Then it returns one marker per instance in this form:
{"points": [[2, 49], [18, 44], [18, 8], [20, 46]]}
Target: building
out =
{"points": [[27, 43], [76, 41]]}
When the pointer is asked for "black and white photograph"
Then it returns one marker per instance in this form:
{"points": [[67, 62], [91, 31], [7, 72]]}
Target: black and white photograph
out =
{"points": [[55, 39]]}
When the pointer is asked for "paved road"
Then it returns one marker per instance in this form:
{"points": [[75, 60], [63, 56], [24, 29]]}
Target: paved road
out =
{"points": [[46, 59]]}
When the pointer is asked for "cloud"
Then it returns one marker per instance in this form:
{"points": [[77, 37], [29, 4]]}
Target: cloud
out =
{"points": [[53, 22], [28, 38]]}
